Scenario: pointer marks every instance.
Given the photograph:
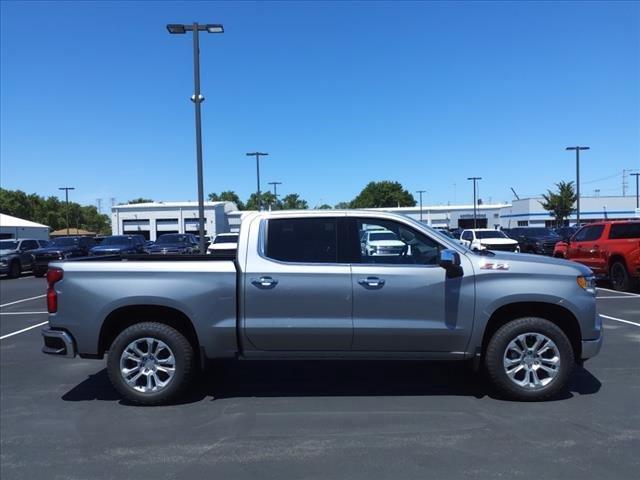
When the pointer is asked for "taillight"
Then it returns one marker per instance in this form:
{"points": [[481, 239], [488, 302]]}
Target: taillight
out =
{"points": [[53, 275]]}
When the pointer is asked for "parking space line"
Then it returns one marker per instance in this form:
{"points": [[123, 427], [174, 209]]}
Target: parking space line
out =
{"points": [[20, 301], [620, 320], [619, 293], [613, 296], [26, 329], [22, 313]]}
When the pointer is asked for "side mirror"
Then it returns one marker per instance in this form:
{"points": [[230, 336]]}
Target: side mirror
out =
{"points": [[450, 261]]}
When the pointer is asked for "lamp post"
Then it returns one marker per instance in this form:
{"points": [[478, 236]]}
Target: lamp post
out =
{"points": [[258, 155], [66, 195], [275, 189], [577, 149], [197, 99], [637, 193], [420, 192], [475, 202]]}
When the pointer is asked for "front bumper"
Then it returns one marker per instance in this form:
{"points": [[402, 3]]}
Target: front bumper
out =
{"points": [[58, 342], [591, 348]]}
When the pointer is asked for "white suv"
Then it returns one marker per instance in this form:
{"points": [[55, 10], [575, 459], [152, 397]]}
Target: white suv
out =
{"points": [[381, 242], [223, 243], [488, 239]]}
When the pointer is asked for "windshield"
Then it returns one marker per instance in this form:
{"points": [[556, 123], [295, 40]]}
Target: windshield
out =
{"points": [[117, 240], [382, 236], [226, 239], [490, 234], [8, 245], [64, 242], [172, 238]]}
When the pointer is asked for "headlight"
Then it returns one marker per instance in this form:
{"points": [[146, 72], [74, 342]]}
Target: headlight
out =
{"points": [[587, 283]]}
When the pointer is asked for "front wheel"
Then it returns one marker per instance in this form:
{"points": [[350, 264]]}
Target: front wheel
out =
{"points": [[150, 363], [529, 359]]}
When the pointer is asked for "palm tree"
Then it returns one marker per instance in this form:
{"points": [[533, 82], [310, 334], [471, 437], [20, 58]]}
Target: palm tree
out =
{"points": [[560, 203]]}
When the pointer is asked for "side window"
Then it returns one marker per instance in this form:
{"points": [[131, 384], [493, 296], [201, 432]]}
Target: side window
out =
{"points": [[302, 240], [393, 243], [589, 234], [621, 231], [29, 245]]}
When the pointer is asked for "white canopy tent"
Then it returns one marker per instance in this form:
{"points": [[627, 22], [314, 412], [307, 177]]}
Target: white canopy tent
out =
{"points": [[14, 227]]}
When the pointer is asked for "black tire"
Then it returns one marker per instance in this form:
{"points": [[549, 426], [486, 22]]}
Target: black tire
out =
{"points": [[15, 269], [497, 348], [184, 362], [619, 277]]}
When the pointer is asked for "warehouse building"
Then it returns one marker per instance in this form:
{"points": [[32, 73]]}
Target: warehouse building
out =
{"points": [[157, 218], [453, 216], [17, 228]]}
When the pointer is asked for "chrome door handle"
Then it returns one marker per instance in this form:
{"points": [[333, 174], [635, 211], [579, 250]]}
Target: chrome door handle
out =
{"points": [[372, 282], [264, 282]]}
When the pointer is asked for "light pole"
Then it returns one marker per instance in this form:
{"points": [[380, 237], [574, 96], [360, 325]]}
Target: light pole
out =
{"points": [[66, 195], [637, 193], [475, 202], [420, 192], [275, 189], [197, 99], [577, 149], [258, 155]]}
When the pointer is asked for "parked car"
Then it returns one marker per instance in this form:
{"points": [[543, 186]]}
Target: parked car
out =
{"points": [[301, 287], [119, 245], [380, 242], [611, 249], [224, 243], [16, 256], [538, 240], [488, 239], [60, 249], [566, 232], [175, 243]]}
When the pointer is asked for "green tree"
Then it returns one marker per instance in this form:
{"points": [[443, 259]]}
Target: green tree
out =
{"points": [[560, 203], [324, 206], [227, 196], [342, 205], [140, 200], [267, 199], [383, 194], [294, 202]]}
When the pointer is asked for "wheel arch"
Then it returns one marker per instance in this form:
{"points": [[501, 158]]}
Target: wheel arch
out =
{"points": [[558, 315]]}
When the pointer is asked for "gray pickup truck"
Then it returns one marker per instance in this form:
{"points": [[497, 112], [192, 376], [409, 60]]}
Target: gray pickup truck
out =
{"points": [[301, 286]]}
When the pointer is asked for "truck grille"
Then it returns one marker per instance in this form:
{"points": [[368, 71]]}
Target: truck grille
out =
{"points": [[502, 248]]}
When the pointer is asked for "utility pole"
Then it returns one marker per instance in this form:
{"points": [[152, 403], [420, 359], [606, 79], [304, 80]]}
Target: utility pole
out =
{"points": [[258, 155], [197, 99], [66, 195], [577, 149], [421, 192], [275, 189], [637, 193], [475, 202], [99, 204]]}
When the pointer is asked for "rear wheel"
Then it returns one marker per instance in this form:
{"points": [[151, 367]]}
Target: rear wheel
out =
{"points": [[150, 363], [14, 269], [529, 359], [619, 276]]}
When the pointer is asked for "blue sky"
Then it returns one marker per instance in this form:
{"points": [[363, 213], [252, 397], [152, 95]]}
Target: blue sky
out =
{"points": [[95, 95]]}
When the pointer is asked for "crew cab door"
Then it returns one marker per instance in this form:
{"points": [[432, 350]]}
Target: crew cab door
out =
{"points": [[585, 247], [297, 295], [404, 302]]}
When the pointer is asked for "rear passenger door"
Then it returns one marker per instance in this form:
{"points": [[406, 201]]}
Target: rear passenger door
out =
{"points": [[297, 289], [585, 247], [26, 247]]}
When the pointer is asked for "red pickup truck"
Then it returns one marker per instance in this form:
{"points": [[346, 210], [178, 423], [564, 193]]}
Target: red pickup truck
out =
{"points": [[610, 249]]}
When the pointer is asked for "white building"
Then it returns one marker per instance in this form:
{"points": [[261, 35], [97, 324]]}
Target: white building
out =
{"points": [[528, 212], [453, 216], [154, 219], [14, 227]]}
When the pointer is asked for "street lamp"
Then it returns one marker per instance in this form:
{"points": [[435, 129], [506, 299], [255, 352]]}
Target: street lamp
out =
{"points": [[421, 192], [637, 193], [258, 155], [475, 202], [275, 189], [197, 100], [66, 194], [577, 149]]}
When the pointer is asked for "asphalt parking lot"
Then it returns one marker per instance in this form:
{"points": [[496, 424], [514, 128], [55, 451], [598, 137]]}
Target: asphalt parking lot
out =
{"points": [[60, 418]]}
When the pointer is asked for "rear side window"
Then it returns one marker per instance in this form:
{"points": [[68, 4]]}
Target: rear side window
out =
{"points": [[29, 245], [302, 240], [589, 234], [467, 235], [624, 230]]}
